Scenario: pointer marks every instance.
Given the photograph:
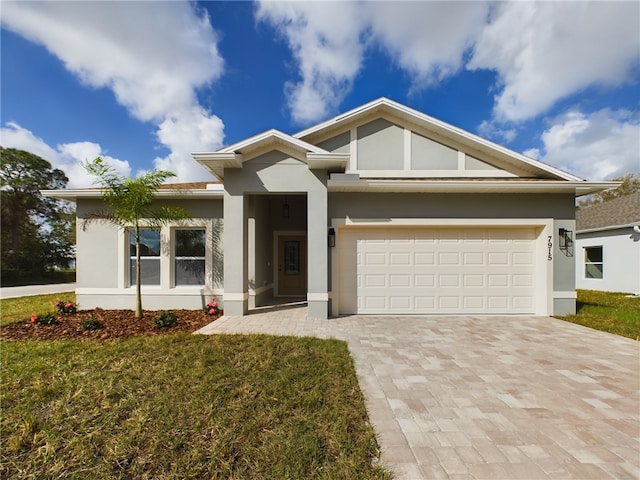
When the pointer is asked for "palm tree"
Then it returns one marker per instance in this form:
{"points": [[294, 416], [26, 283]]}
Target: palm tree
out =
{"points": [[130, 204]]}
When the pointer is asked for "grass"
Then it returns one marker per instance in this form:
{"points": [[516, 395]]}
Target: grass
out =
{"points": [[610, 312], [184, 406], [180, 406], [18, 309]]}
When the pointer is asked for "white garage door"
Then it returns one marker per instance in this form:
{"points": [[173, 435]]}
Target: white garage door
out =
{"points": [[441, 271]]}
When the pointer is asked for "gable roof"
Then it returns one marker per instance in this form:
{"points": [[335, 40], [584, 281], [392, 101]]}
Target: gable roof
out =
{"points": [[619, 212], [267, 137], [234, 155], [440, 128]]}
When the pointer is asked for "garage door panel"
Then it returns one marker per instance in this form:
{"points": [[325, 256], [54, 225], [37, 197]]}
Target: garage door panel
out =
{"points": [[473, 258], [449, 258], [424, 258], [447, 270], [473, 280], [400, 259], [403, 303], [373, 281], [474, 303], [425, 281], [445, 280], [400, 281]]}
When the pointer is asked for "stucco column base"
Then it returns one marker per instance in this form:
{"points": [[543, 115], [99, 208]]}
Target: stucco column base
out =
{"points": [[236, 308], [564, 306], [318, 309]]}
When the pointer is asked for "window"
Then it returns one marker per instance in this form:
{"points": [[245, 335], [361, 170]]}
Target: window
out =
{"points": [[291, 257], [593, 262], [189, 256], [149, 256]]}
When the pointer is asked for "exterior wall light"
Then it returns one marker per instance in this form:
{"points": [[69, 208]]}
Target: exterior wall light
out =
{"points": [[332, 237], [565, 241]]}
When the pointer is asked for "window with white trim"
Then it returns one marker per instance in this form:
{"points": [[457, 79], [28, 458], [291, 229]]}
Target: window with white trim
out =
{"points": [[149, 256], [593, 262], [189, 247]]}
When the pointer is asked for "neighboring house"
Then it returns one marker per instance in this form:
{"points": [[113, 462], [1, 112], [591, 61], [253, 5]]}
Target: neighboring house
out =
{"points": [[608, 245], [380, 210]]}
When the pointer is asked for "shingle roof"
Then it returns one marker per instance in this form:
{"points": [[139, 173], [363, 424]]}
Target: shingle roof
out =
{"points": [[619, 211]]}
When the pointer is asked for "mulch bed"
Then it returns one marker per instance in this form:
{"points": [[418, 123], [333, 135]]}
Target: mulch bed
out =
{"points": [[115, 324]]}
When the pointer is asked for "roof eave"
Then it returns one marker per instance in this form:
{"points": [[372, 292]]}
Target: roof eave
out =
{"points": [[72, 195], [216, 162], [468, 186], [271, 136], [609, 227]]}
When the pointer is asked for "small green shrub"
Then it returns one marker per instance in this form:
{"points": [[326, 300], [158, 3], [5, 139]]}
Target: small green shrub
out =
{"points": [[166, 320], [46, 319], [91, 323], [212, 307], [65, 307]]}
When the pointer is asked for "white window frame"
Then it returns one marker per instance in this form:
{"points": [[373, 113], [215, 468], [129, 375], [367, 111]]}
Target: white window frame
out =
{"points": [[587, 262], [129, 279], [175, 257], [167, 262]]}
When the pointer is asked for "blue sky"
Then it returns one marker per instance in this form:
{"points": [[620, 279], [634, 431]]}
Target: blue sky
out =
{"points": [[144, 84]]}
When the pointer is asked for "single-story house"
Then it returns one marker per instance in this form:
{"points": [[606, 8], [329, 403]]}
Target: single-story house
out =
{"points": [[608, 245], [380, 210]]}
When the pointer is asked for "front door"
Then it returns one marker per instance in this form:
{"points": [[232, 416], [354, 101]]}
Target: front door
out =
{"points": [[292, 265]]}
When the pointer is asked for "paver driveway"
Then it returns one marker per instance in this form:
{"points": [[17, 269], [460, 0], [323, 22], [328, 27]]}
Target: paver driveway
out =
{"points": [[486, 397]]}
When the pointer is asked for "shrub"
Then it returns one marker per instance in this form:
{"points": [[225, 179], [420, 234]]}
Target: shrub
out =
{"points": [[64, 307], [212, 308], [46, 319], [91, 323], [166, 320]]}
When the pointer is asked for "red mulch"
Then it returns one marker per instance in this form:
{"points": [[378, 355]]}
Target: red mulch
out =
{"points": [[115, 324]]}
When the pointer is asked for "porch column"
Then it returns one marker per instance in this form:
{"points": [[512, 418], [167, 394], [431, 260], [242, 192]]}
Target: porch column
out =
{"points": [[235, 254], [317, 294]]}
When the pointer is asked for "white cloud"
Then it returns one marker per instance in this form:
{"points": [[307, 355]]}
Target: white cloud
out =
{"points": [[153, 56], [494, 131], [541, 51], [597, 146], [328, 41], [545, 51], [324, 38], [426, 39], [67, 157]]}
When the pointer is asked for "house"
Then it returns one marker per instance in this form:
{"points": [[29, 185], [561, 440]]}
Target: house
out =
{"points": [[608, 245], [380, 210]]}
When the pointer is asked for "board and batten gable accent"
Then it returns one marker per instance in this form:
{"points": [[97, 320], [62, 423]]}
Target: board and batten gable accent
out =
{"points": [[385, 148]]}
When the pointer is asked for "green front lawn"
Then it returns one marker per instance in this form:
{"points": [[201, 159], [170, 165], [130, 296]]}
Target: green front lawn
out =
{"points": [[184, 406], [610, 312], [18, 309]]}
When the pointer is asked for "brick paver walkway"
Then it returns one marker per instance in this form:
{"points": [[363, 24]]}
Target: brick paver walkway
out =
{"points": [[486, 397]]}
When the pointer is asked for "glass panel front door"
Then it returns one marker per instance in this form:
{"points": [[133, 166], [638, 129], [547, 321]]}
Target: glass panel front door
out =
{"points": [[292, 265]]}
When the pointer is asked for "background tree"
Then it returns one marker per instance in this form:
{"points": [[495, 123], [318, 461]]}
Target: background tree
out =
{"points": [[36, 231], [130, 203], [630, 184]]}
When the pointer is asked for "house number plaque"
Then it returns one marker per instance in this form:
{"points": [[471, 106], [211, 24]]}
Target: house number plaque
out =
{"points": [[549, 248]]}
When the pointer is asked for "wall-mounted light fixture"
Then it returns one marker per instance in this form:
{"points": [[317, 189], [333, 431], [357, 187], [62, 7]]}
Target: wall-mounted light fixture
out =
{"points": [[332, 237], [565, 241], [285, 208]]}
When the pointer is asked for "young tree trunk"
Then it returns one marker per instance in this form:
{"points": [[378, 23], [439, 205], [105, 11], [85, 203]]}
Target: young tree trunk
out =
{"points": [[138, 289]]}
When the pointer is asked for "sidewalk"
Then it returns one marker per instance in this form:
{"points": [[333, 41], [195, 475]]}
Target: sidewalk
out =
{"points": [[26, 291]]}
